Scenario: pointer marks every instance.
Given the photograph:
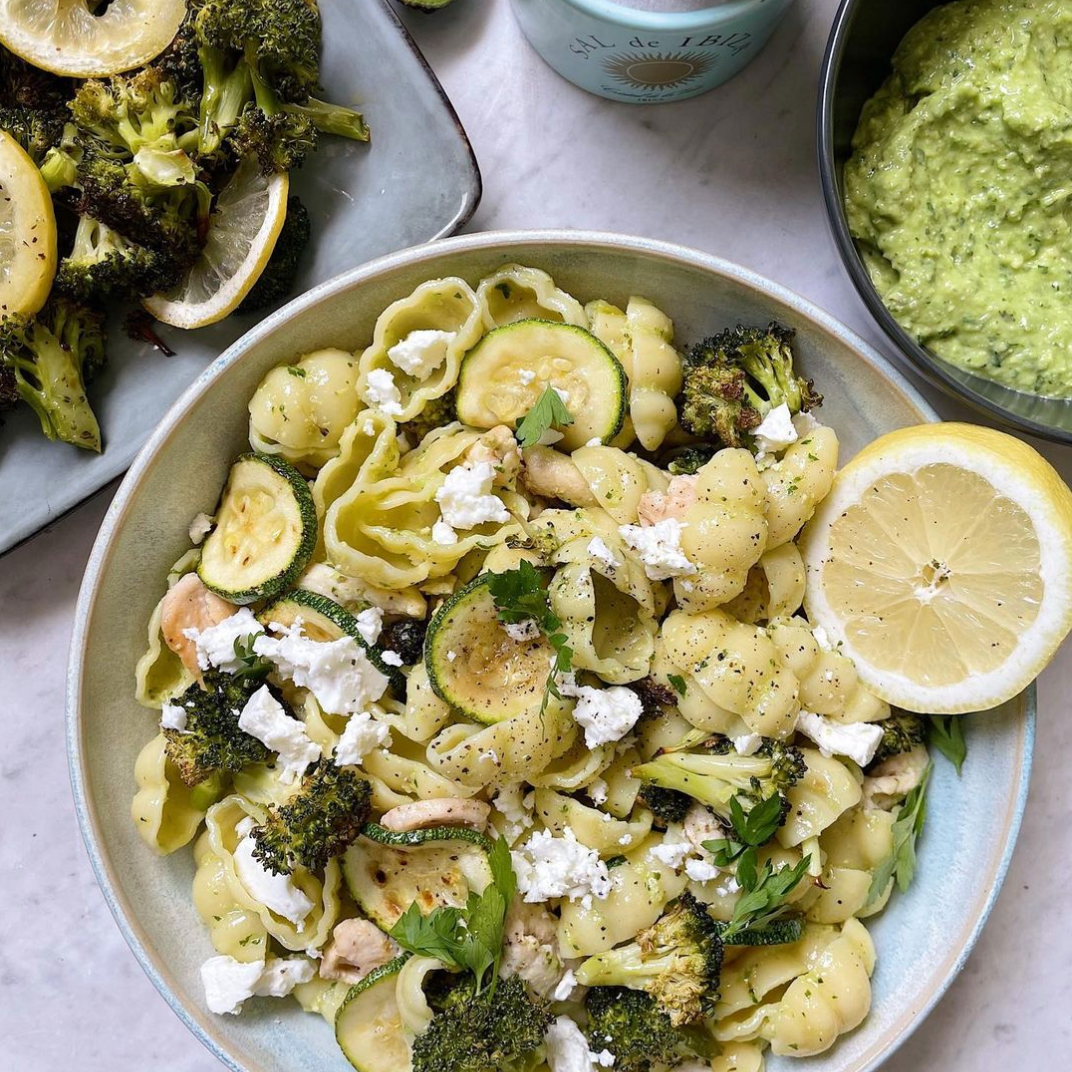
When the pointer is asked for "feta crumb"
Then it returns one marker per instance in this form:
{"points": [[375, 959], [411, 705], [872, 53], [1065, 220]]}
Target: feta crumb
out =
{"points": [[700, 870], [382, 392], [547, 866], [229, 983], [370, 624], [671, 853], [562, 393], [391, 658], [443, 534], [172, 717], [451, 656], [605, 715], [420, 353], [363, 734], [597, 791], [775, 432], [369, 427], [804, 423], [338, 672], [278, 893], [200, 527], [747, 745], [625, 839], [605, 1059], [858, 740], [263, 717], [526, 376], [595, 441], [465, 497], [522, 631], [565, 986], [567, 1049], [598, 549], [215, 645], [658, 547], [515, 808], [822, 638]]}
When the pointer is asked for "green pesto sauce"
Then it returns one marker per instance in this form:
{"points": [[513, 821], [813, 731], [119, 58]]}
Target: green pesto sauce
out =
{"points": [[959, 191]]}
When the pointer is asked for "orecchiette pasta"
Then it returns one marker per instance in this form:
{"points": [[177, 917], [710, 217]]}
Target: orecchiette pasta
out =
{"points": [[655, 376], [164, 810], [516, 292]]}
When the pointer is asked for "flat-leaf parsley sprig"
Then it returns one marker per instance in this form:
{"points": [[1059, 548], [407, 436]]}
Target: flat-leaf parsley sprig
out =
{"points": [[901, 862], [548, 412]]}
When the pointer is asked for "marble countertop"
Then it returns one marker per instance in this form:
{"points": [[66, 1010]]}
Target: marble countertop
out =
{"points": [[732, 173]]}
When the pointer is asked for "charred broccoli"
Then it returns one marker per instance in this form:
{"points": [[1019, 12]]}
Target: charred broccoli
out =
{"points": [[733, 380], [719, 774], [317, 824], [212, 741], [498, 1030], [667, 805], [690, 460], [436, 413], [900, 733], [677, 960], [35, 129], [277, 279], [51, 357], [631, 1026], [406, 638]]}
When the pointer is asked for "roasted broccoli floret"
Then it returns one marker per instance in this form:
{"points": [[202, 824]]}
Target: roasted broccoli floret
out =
{"points": [[277, 279], [212, 741], [22, 85], [34, 129], [631, 1026], [499, 1030], [51, 357], [900, 733], [102, 263], [436, 413], [406, 638], [733, 380], [280, 141], [667, 805], [677, 960], [690, 460], [718, 774], [316, 824]]}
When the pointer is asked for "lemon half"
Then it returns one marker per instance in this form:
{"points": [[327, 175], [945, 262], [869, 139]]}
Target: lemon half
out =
{"points": [[66, 37], [27, 233], [942, 562]]}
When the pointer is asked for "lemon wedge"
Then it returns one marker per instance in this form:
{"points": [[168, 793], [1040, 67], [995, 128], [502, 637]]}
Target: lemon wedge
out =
{"points": [[66, 37], [27, 232], [942, 562], [242, 234]]}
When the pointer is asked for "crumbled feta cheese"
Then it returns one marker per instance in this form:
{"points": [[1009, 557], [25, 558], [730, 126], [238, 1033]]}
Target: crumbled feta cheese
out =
{"points": [[701, 825], [276, 892], [363, 734], [598, 549], [229, 983], [200, 527], [605, 715], [804, 423], [625, 839], [671, 853], [595, 441], [567, 1049], [263, 717], [565, 986], [515, 808], [465, 497], [562, 393], [443, 534], [597, 791], [822, 638], [391, 658], [369, 427], [526, 376], [522, 631], [747, 745], [858, 740], [370, 624], [604, 1059], [700, 870], [547, 866], [215, 645], [658, 547], [337, 672], [172, 717], [775, 432], [420, 353], [451, 656], [382, 392]]}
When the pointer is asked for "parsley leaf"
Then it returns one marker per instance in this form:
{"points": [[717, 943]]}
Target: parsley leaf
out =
{"points": [[253, 665], [548, 412], [901, 863], [947, 735], [678, 682], [753, 828]]}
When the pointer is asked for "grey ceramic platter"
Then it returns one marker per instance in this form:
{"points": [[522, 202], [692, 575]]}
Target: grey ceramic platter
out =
{"points": [[923, 937], [418, 180]]}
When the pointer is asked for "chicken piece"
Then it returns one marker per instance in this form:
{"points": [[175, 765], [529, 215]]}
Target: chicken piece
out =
{"points": [[552, 475], [701, 825], [190, 605], [656, 506], [356, 948], [530, 948], [499, 447], [443, 811], [894, 778]]}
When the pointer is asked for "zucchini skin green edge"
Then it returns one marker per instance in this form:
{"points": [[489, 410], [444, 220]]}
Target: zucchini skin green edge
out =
{"points": [[392, 967], [430, 641], [310, 531], [406, 839]]}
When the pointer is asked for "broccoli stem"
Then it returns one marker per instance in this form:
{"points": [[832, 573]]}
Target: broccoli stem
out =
{"points": [[332, 118]]}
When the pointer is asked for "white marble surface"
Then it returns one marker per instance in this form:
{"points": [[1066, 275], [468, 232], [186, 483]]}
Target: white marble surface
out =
{"points": [[732, 173]]}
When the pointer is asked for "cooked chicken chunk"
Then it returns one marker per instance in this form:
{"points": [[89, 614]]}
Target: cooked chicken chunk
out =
{"points": [[656, 506], [356, 948], [444, 811], [894, 778], [531, 948], [190, 605]]}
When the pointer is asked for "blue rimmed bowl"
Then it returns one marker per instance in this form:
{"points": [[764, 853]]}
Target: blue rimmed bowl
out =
{"points": [[923, 938]]}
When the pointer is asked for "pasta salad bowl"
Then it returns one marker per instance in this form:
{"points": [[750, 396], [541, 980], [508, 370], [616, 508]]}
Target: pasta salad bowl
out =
{"points": [[922, 937]]}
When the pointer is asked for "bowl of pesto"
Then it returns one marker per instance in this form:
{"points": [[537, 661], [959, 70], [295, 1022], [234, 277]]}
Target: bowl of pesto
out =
{"points": [[945, 146]]}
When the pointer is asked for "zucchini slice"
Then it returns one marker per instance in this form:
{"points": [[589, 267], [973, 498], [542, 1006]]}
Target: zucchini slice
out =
{"points": [[407, 839], [324, 620], [265, 531], [475, 665], [492, 391], [368, 1025], [385, 880]]}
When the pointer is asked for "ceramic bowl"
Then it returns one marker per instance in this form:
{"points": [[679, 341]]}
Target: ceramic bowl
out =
{"points": [[862, 42], [923, 938]]}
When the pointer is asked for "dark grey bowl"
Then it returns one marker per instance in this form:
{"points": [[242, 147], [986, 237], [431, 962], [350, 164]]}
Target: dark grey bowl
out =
{"points": [[865, 35]]}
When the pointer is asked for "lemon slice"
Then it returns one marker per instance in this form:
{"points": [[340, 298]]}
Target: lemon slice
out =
{"points": [[242, 233], [27, 232], [942, 561], [65, 37]]}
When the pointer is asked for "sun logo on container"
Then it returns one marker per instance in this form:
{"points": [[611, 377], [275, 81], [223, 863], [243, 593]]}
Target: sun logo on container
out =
{"points": [[658, 70]]}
